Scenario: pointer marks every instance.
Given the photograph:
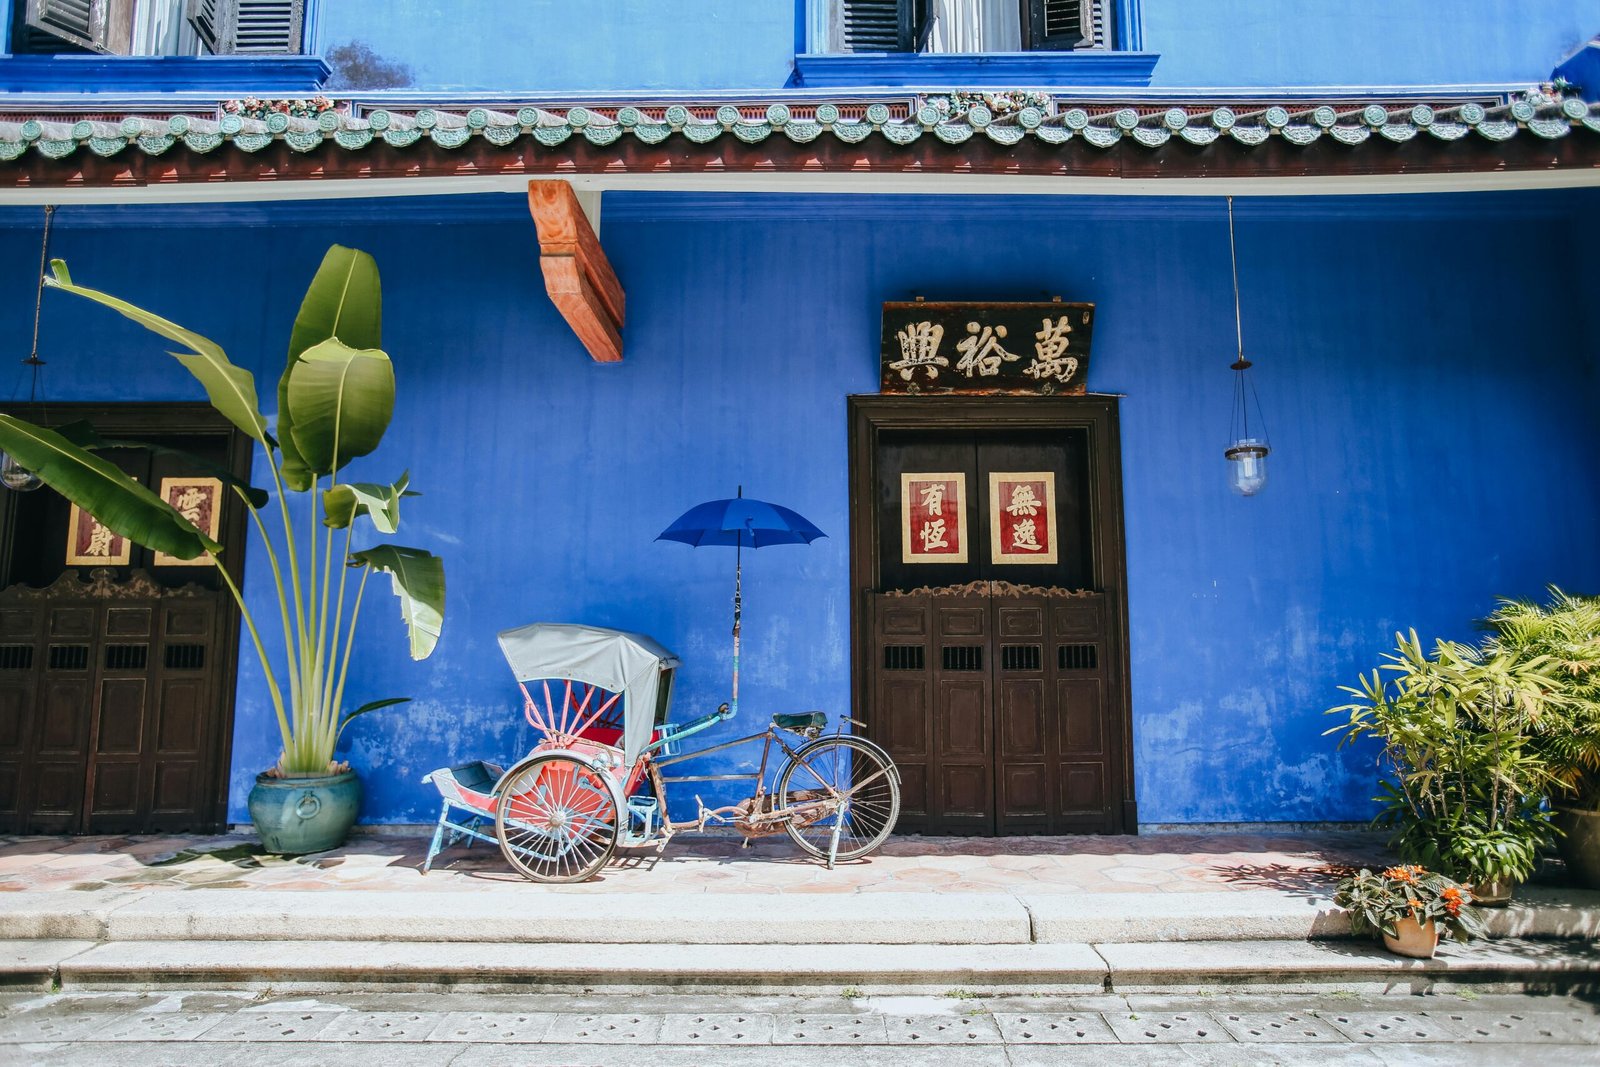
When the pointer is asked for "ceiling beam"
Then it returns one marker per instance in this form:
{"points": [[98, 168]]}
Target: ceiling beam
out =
{"points": [[577, 274]]}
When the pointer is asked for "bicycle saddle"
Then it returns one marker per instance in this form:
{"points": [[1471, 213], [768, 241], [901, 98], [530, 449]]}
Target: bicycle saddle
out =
{"points": [[804, 720]]}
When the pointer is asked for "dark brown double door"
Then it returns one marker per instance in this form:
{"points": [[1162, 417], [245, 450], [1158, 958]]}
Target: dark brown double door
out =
{"points": [[110, 706], [995, 708], [116, 680], [999, 688]]}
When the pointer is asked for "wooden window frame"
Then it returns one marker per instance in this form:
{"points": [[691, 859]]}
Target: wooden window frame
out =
{"points": [[217, 24], [1106, 35], [111, 23], [870, 415]]}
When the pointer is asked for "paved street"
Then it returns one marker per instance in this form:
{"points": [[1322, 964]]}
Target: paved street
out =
{"points": [[130, 1030]]}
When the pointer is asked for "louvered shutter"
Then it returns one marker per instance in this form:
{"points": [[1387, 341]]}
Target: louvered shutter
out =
{"points": [[1062, 24], [205, 17], [98, 25], [248, 27], [875, 25]]}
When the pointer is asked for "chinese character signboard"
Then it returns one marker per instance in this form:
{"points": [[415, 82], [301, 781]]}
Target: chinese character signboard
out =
{"points": [[89, 543], [986, 348], [933, 518], [200, 501], [1022, 517]]}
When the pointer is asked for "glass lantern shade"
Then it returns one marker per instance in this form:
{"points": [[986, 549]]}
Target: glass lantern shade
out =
{"points": [[1247, 466], [16, 477]]}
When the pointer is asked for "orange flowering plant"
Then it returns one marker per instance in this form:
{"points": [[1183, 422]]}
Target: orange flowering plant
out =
{"points": [[1377, 902]]}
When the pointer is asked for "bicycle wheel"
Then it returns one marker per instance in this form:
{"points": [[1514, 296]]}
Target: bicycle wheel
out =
{"points": [[556, 819], [841, 782]]}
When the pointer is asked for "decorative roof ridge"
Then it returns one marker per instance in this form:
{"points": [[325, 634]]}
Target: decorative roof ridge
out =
{"points": [[1004, 117]]}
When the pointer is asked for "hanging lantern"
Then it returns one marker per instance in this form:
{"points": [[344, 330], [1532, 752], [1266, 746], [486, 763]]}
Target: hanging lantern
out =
{"points": [[1247, 445], [13, 475]]}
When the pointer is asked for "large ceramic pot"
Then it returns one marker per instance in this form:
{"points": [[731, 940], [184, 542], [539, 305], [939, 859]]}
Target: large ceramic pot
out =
{"points": [[1415, 940], [1495, 894], [1579, 844], [298, 815]]}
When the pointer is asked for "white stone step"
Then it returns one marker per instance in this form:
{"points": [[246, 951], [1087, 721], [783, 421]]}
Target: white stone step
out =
{"points": [[1281, 966], [532, 914]]}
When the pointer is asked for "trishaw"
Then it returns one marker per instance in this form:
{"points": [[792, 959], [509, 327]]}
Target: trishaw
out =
{"points": [[600, 700]]}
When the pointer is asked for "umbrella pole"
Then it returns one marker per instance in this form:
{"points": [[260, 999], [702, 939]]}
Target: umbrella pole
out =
{"points": [[738, 606]]}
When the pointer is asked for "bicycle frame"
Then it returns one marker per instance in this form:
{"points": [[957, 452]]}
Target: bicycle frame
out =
{"points": [[659, 782]]}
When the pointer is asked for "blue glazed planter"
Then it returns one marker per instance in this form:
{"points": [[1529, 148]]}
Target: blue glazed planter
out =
{"points": [[294, 816]]}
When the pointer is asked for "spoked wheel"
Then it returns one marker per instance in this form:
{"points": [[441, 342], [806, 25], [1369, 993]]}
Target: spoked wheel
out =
{"points": [[556, 820], [845, 795]]}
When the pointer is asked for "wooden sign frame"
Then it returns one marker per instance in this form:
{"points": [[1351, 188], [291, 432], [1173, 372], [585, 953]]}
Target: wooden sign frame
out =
{"points": [[81, 527], [1024, 513], [919, 512], [205, 514], [986, 348]]}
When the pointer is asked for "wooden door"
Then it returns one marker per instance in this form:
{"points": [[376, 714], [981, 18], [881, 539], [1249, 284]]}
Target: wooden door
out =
{"points": [[1055, 765], [116, 682], [109, 705], [999, 688]]}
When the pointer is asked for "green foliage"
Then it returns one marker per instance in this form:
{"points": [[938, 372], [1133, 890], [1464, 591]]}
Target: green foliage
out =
{"points": [[1377, 902], [1462, 781], [103, 490], [343, 504], [418, 578], [344, 301], [335, 400], [1565, 634], [341, 400]]}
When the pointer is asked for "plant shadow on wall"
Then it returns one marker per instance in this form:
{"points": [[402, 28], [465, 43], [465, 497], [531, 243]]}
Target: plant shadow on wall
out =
{"points": [[335, 400], [1483, 743]]}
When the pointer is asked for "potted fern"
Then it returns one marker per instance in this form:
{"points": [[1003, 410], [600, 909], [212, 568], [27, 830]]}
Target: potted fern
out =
{"points": [[335, 399], [1565, 633]]}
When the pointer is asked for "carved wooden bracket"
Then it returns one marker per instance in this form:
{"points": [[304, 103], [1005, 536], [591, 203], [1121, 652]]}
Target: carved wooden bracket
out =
{"points": [[577, 274]]}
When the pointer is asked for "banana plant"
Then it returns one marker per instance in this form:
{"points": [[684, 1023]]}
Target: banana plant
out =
{"points": [[335, 400]]}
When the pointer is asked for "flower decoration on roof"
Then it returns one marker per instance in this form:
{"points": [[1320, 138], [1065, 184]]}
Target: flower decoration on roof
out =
{"points": [[254, 108], [1552, 92], [957, 104]]}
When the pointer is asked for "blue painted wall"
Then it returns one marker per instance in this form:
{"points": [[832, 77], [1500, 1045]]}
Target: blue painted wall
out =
{"points": [[546, 45], [1429, 389], [1362, 42]]}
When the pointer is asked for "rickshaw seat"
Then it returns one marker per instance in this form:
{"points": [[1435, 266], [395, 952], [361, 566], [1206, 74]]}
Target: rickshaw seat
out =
{"points": [[800, 721]]}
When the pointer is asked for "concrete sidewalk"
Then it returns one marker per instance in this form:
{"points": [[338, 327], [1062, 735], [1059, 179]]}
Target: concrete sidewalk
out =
{"points": [[1063, 915], [1156, 863]]}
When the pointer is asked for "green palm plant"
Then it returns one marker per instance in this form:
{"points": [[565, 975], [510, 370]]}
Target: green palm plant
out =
{"points": [[1565, 632], [1463, 779], [335, 401]]}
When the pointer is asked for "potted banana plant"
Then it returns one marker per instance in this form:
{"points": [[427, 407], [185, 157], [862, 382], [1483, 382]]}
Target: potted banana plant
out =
{"points": [[335, 399]]}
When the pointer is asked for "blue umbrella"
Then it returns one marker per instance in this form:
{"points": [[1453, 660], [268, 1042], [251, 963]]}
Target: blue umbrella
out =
{"points": [[742, 523]]}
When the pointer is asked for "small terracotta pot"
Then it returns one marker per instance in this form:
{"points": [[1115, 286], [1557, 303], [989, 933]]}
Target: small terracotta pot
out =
{"points": [[1495, 894], [1417, 941]]}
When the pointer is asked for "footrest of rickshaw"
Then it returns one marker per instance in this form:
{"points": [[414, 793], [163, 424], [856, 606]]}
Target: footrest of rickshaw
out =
{"points": [[801, 721]]}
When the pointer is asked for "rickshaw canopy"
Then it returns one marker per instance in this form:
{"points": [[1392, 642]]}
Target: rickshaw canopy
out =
{"points": [[634, 665]]}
